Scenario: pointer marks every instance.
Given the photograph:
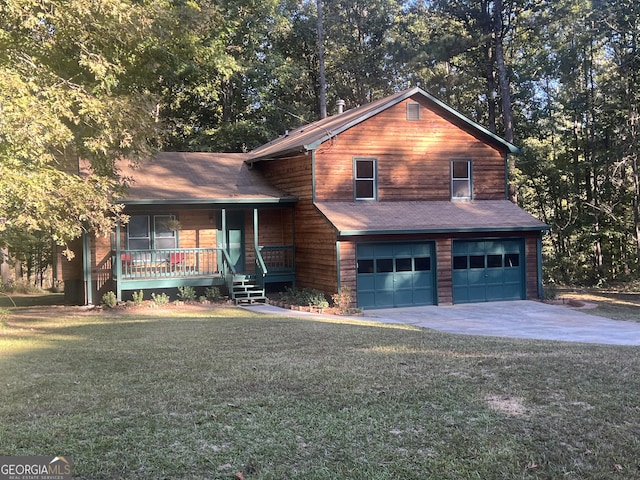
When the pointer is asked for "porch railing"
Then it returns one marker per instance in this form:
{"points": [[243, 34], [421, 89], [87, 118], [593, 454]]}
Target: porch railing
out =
{"points": [[175, 262], [278, 258], [272, 262]]}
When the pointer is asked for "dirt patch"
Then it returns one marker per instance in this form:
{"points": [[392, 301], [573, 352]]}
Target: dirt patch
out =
{"points": [[508, 404]]}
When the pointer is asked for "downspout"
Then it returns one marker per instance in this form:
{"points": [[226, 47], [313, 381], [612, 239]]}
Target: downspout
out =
{"points": [[86, 269]]}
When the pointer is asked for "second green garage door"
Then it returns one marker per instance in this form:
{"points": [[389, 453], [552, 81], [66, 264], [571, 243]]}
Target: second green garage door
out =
{"points": [[395, 274], [488, 270]]}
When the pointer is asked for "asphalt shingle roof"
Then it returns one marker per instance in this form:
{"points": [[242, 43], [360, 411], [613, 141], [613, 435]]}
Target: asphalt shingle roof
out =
{"points": [[359, 218], [191, 177]]}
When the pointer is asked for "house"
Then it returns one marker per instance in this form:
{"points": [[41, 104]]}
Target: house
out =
{"points": [[403, 200]]}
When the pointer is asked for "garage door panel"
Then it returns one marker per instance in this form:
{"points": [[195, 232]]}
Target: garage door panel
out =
{"points": [[402, 274], [488, 270], [366, 282], [384, 281], [512, 275]]}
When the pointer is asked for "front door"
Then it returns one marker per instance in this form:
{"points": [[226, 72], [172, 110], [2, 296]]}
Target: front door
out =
{"points": [[234, 237]]}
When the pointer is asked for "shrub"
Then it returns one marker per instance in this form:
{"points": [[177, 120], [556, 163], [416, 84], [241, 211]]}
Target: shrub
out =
{"points": [[187, 293], [213, 294], [109, 300], [549, 291], [138, 298], [342, 299], [160, 299], [305, 296]]}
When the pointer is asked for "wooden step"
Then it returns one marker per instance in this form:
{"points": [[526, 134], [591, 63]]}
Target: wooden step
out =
{"points": [[244, 290]]}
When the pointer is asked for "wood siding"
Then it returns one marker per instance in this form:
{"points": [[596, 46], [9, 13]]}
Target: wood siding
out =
{"points": [[531, 258], [413, 158], [316, 256], [445, 274]]}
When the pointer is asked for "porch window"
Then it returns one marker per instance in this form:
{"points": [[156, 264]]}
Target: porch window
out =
{"points": [[461, 187], [365, 178], [147, 232]]}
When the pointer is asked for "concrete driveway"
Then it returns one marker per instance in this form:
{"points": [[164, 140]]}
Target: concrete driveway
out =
{"points": [[514, 319]]}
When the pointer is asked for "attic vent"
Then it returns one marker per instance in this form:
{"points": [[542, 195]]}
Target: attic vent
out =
{"points": [[413, 111]]}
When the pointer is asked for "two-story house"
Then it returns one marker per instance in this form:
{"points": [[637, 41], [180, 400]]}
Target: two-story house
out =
{"points": [[403, 200]]}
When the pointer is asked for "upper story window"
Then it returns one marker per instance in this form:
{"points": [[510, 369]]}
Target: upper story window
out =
{"points": [[365, 183], [461, 187], [146, 232]]}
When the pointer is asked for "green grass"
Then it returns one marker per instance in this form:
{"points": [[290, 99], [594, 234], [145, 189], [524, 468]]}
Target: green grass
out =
{"points": [[617, 305], [205, 393]]}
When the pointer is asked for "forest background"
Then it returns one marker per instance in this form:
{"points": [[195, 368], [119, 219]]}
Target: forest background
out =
{"points": [[103, 79]]}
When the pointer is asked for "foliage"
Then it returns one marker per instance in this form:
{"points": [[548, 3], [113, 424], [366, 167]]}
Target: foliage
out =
{"points": [[305, 296], [112, 79], [138, 298], [160, 299], [186, 293], [109, 300], [342, 299], [213, 294]]}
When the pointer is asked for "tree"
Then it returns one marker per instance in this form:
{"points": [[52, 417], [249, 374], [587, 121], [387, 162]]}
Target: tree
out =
{"points": [[76, 82]]}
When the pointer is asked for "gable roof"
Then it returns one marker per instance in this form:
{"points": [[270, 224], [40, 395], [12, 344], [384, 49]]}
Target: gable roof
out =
{"points": [[311, 136], [371, 218], [192, 178]]}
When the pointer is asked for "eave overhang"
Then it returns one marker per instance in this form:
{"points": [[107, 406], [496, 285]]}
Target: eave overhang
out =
{"points": [[434, 231], [214, 201]]}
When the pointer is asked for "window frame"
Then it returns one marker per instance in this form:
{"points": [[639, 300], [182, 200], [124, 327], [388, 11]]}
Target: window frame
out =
{"points": [[454, 181], [373, 180], [413, 115], [154, 235]]}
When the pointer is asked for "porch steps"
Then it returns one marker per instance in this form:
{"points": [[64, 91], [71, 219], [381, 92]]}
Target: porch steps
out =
{"points": [[245, 290]]}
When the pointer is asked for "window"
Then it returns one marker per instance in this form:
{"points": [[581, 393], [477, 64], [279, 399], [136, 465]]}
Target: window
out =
{"points": [[146, 232], [413, 111], [460, 262], [461, 179], [365, 178]]}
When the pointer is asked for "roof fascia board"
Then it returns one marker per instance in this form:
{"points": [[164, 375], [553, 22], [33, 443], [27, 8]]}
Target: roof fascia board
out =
{"points": [[511, 147], [355, 233], [217, 201]]}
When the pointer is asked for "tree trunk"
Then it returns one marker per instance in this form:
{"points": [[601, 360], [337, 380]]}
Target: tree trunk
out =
{"points": [[323, 81], [505, 91]]}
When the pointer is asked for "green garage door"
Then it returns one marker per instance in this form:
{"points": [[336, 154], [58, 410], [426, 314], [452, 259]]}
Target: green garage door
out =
{"points": [[488, 270], [395, 274]]}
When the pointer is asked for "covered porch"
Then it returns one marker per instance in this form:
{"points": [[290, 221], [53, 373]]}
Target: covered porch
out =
{"points": [[236, 249]]}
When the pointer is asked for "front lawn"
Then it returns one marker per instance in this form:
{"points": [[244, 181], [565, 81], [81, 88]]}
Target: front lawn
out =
{"points": [[220, 393]]}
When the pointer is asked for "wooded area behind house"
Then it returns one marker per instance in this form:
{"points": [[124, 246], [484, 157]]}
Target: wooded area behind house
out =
{"points": [[106, 79]]}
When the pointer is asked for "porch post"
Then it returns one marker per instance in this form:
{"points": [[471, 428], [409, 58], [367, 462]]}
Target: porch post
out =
{"points": [[86, 268], [223, 243], [117, 264], [539, 262], [224, 229], [255, 228]]}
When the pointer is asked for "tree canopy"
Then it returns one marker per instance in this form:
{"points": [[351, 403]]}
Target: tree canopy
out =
{"points": [[109, 79]]}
